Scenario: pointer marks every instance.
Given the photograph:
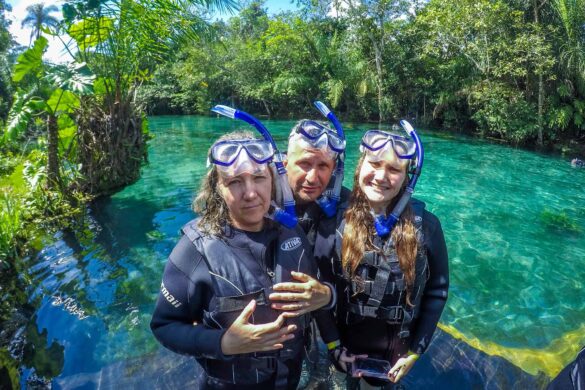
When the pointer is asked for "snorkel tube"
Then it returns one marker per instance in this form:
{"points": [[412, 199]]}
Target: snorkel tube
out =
{"points": [[329, 200], [286, 217], [384, 225]]}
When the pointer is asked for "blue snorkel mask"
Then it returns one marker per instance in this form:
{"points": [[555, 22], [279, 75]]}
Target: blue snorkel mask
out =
{"points": [[329, 200], [375, 142], [286, 217]]}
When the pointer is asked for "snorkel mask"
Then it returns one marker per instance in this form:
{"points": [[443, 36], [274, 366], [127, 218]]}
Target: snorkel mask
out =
{"points": [[234, 157], [335, 142], [286, 216], [376, 144]]}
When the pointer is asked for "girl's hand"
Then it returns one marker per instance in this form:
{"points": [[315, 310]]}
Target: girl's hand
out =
{"points": [[402, 367]]}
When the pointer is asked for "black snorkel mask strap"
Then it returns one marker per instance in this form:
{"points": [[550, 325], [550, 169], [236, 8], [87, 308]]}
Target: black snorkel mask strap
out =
{"points": [[330, 198], [383, 224]]}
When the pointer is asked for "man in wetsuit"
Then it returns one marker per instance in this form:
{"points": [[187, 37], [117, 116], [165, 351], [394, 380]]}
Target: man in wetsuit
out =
{"points": [[310, 168], [310, 165]]}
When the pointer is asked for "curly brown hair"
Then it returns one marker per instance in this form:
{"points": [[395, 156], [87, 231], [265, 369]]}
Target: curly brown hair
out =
{"points": [[359, 232], [209, 203]]}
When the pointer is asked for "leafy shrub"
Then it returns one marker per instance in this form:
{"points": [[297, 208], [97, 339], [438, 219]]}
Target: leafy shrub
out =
{"points": [[503, 112]]}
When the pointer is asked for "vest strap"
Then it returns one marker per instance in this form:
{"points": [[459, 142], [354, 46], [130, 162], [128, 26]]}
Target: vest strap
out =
{"points": [[392, 314], [378, 288], [239, 302], [367, 285]]}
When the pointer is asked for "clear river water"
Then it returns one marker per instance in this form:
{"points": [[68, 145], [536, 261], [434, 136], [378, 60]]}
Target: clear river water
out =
{"points": [[514, 223]]}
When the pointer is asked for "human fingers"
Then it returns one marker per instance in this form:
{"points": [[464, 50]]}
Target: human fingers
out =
{"points": [[301, 276], [289, 306], [271, 327], [399, 374], [284, 334], [245, 315], [395, 370], [290, 296], [346, 356], [290, 287]]}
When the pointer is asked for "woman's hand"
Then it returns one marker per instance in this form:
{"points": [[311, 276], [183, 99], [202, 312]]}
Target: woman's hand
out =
{"points": [[402, 367], [300, 297], [244, 337]]}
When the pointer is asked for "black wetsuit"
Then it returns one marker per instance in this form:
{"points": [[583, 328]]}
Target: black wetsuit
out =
{"points": [[320, 231], [379, 338], [572, 377], [186, 296]]}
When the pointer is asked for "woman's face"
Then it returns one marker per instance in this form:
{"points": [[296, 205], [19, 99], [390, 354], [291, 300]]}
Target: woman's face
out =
{"points": [[382, 180], [248, 198]]}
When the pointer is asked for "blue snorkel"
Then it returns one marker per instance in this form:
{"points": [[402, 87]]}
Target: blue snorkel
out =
{"points": [[286, 217], [329, 200], [384, 225]]}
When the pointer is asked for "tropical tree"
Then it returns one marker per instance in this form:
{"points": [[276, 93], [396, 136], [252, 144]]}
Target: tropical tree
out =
{"points": [[6, 43], [55, 96], [370, 20], [123, 42], [571, 90], [38, 17]]}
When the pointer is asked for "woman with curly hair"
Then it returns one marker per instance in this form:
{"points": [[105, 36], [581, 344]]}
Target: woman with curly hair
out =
{"points": [[217, 298], [391, 264]]}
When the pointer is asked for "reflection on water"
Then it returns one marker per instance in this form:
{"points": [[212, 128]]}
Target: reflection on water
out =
{"points": [[46, 356], [513, 221]]}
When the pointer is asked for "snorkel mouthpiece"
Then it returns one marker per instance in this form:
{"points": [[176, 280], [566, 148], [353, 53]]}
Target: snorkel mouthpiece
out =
{"points": [[286, 217], [383, 224], [329, 200]]}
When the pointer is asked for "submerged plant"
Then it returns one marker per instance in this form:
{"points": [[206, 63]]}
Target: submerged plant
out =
{"points": [[559, 221]]}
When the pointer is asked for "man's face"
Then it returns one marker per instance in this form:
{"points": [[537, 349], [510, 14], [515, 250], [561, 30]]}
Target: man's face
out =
{"points": [[309, 172]]}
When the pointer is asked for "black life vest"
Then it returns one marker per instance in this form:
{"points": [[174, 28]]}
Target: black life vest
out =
{"points": [[382, 285], [323, 232], [236, 283]]}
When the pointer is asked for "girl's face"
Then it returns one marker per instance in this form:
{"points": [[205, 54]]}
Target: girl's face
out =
{"points": [[248, 198], [382, 180]]}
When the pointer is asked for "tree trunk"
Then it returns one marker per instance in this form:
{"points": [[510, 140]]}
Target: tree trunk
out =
{"points": [[53, 177], [540, 109], [378, 55], [540, 84]]}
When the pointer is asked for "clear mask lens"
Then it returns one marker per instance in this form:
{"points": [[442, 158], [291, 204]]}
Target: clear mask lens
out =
{"points": [[378, 142], [320, 136], [226, 152], [242, 164]]}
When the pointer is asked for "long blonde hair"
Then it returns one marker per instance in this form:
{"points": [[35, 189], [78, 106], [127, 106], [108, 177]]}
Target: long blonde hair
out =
{"points": [[359, 232]]}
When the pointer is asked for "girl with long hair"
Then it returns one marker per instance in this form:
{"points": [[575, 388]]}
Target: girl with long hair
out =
{"points": [[392, 286]]}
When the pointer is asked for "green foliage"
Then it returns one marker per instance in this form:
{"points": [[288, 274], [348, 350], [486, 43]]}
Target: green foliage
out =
{"points": [[559, 221], [11, 226], [503, 112], [74, 77], [9, 373], [90, 32], [31, 61]]}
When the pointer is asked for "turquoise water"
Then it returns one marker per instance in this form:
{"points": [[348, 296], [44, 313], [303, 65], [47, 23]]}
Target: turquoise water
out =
{"points": [[514, 222]]}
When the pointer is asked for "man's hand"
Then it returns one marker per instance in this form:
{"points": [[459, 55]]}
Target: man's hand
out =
{"points": [[244, 337], [301, 297]]}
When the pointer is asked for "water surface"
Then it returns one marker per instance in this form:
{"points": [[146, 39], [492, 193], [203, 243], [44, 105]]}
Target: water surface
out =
{"points": [[514, 222]]}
